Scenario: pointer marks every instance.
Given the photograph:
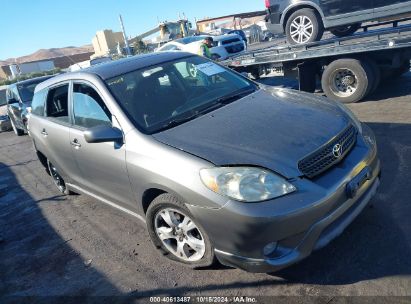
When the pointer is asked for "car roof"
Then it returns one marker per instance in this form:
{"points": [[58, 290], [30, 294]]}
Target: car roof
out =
{"points": [[115, 68], [226, 36]]}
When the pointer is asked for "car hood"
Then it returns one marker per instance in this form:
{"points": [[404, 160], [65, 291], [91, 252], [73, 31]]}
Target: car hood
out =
{"points": [[272, 128]]}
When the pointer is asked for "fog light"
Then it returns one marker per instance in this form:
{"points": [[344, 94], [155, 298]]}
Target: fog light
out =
{"points": [[270, 248]]}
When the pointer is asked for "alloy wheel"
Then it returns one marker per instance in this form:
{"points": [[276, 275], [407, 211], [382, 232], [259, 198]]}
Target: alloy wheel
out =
{"points": [[301, 29], [179, 234]]}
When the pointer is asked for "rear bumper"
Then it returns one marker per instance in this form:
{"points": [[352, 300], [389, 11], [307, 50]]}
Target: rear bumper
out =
{"points": [[318, 236], [273, 21]]}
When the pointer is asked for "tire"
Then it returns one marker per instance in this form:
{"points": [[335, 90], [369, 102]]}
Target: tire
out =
{"points": [[167, 206], [347, 30], [347, 80], [375, 72], [311, 20], [57, 179], [16, 130]]}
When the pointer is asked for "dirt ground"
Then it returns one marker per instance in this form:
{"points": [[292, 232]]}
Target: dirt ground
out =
{"points": [[53, 245]]}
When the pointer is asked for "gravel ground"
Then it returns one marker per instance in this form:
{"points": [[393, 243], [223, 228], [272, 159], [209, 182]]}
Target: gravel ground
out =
{"points": [[53, 245]]}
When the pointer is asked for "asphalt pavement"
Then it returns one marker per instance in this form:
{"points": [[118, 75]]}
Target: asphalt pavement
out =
{"points": [[53, 245]]}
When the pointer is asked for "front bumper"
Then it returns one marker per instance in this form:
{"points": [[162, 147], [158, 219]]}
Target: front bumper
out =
{"points": [[296, 224], [320, 234]]}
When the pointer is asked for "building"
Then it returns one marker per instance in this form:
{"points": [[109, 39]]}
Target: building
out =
{"points": [[106, 42], [235, 21], [11, 71]]}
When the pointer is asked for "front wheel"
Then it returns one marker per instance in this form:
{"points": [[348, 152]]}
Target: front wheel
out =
{"points": [[346, 30], [304, 26], [175, 232], [57, 179]]}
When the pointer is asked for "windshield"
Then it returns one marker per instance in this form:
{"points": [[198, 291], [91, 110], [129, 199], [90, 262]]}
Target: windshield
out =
{"points": [[26, 91], [162, 96]]}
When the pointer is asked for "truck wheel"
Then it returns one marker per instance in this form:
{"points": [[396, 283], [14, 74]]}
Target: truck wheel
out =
{"points": [[304, 26], [346, 30], [375, 73], [347, 80], [177, 234]]}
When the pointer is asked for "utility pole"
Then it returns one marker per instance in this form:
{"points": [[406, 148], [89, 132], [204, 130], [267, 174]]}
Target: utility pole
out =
{"points": [[124, 36]]}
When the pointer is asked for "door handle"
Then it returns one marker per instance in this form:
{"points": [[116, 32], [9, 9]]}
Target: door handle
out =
{"points": [[75, 143], [44, 132]]}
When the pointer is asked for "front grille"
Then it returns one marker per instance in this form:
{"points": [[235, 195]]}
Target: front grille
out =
{"points": [[323, 158]]}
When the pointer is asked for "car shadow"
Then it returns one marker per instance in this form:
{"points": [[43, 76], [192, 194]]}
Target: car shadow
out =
{"points": [[34, 259]]}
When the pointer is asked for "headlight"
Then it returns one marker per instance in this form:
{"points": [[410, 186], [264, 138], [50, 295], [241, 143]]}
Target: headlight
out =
{"points": [[247, 184], [351, 115]]}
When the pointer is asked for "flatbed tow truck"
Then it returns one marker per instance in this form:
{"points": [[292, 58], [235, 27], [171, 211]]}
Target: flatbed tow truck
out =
{"points": [[350, 68]]}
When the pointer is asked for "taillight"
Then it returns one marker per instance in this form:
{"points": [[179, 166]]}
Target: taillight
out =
{"points": [[267, 3]]}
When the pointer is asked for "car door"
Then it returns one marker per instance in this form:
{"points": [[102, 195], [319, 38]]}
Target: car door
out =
{"points": [[52, 131], [15, 106], [102, 165], [387, 8], [334, 9]]}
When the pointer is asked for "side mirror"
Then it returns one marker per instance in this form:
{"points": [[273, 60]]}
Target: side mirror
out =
{"points": [[102, 134], [12, 101]]}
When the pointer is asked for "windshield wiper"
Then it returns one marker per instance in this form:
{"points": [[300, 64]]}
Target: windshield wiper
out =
{"points": [[175, 122], [234, 96]]}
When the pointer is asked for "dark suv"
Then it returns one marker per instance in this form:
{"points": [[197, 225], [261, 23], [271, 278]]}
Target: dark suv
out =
{"points": [[19, 96], [304, 21]]}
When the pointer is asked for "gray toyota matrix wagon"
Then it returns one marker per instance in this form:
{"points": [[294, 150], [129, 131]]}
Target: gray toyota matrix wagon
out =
{"points": [[215, 164]]}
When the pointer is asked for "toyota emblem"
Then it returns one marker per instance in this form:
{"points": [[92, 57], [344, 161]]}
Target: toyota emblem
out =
{"points": [[337, 151]]}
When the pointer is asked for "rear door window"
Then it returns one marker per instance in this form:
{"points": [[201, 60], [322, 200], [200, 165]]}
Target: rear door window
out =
{"points": [[89, 109], [37, 105], [57, 103]]}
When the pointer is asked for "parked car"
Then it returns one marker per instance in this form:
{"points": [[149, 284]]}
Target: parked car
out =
{"points": [[224, 45], [304, 21], [19, 96], [240, 33], [4, 118], [216, 165]]}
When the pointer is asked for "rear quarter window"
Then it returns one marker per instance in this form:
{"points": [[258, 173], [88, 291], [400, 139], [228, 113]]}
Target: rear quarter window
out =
{"points": [[37, 105]]}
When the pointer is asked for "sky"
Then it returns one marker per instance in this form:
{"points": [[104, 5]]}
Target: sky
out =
{"points": [[27, 26]]}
